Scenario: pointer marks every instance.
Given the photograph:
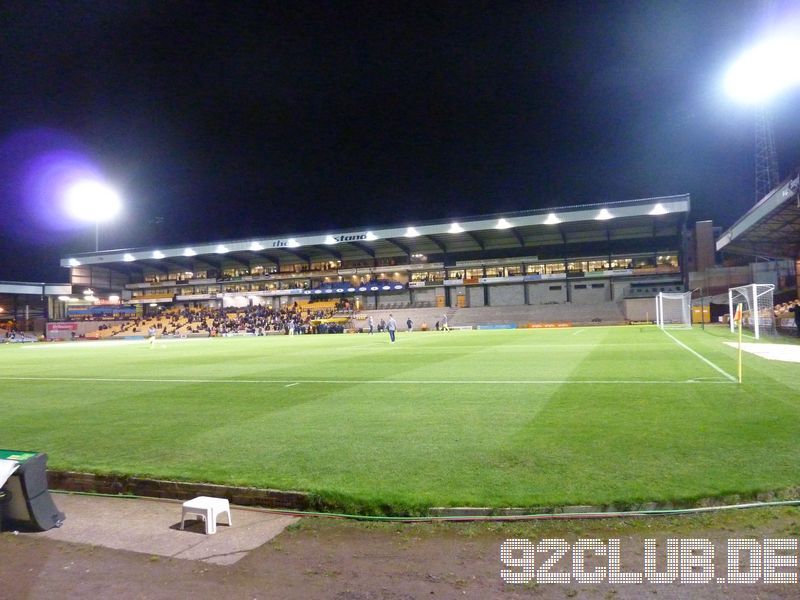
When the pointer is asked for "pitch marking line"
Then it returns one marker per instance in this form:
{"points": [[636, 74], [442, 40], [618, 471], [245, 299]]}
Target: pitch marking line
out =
{"points": [[292, 382], [701, 357]]}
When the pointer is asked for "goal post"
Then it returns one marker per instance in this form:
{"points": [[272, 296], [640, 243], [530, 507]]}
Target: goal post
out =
{"points": [[674, 310], [758, 308]]}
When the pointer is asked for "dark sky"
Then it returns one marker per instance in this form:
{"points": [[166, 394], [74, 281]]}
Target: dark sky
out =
{"points": [[231, 119]]}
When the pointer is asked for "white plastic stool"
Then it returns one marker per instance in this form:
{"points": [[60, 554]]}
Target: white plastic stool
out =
{"points": [[208, 509]]}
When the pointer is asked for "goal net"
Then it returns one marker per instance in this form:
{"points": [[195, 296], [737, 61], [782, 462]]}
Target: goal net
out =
{"points": [[758, 308], [674, 311]]}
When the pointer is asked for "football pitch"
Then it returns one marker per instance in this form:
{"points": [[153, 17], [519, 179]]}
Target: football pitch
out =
{"points": [[505, 418]]}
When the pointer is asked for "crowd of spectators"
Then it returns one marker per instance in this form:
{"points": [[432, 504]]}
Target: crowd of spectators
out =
{"points": [[253, 320]]}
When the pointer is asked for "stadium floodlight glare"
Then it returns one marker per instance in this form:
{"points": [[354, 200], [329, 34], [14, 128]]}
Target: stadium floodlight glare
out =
{"points": [[330, 240], [371, 237], [158, 254], [603, 215], [411, 232], [503, 224], [221, 249], [455, 228], [552, 219], [292, 243], [255, 247], [74, 262], [93, 201], [658, 209], [189, 252], [128, 257], [765, 70]]}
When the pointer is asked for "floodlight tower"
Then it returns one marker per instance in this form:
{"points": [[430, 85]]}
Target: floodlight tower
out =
{"points": [[758, 75], [767, 176]]}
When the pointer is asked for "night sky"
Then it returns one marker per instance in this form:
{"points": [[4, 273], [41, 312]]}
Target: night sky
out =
{"points": [[234, 119]]}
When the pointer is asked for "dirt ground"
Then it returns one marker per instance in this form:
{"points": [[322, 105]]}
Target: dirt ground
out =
{"points": [[347, 560]]}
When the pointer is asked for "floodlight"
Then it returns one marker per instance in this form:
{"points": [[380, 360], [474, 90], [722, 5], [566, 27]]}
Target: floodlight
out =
{"points": [[411, 232], [455, 228], [189, 252], [292, 243], [158, 254], [128, 257], [658, 209], [765, 70], [552, 219], [371, 237], [503, 224], [74, 262], [604, 215], [255, 247], [91, 200], [221, 249]]}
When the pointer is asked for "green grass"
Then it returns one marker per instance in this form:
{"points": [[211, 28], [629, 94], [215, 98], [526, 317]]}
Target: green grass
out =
{"points": [[609, 415]]}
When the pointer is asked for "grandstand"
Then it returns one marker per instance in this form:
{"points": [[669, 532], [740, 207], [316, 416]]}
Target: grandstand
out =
{"points": [[511, 268], [771, 230]]}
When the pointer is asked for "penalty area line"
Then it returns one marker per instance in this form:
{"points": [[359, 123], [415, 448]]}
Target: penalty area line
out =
{"points": [[293, 382]]}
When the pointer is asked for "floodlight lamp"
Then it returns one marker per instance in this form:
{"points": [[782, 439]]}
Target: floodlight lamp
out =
{"points": [[503, 224], [371, 237], [128, 257], [330, 240], [455, 228], [658, 209], [158, 254], [765, 70], [221, 249], [74, 262], [255, 247], [292, 243], [91, 200], [189, 252], [411, 232], [552, 219], [604, 215]]}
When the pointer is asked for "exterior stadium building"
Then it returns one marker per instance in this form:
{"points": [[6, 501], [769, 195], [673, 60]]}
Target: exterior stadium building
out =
{"points": [[580, 255]]}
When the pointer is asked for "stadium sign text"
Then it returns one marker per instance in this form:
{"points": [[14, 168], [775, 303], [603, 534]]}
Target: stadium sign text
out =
{"points": [[350, 237]]}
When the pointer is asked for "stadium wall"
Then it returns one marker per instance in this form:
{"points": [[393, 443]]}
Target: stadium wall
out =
{"points": [[476, 296], [639, 309], [507, 295], [551, 292], [589, 292]]}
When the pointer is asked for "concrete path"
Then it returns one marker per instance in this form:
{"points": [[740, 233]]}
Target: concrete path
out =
{"points": [[151, 526]]}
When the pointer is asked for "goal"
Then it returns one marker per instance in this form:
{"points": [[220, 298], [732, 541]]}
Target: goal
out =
{"points": [[758, 308], [674, 310]]}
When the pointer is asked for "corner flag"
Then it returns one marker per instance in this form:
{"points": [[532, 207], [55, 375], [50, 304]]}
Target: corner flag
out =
{"points": [[737, 318]]}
